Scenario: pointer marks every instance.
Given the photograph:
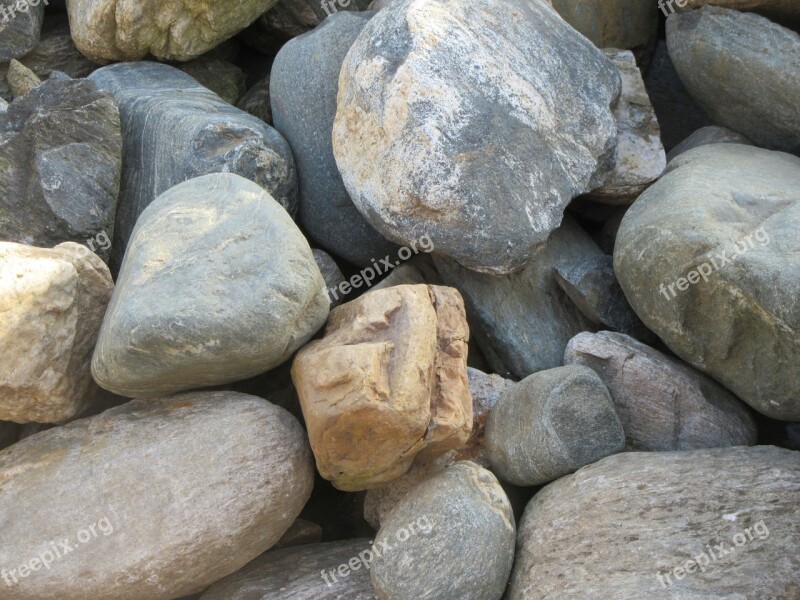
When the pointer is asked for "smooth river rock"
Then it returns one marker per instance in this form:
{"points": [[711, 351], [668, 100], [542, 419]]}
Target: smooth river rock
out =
{"points": [[476, 117], [719, 280], [218, 285], [180, 491]]}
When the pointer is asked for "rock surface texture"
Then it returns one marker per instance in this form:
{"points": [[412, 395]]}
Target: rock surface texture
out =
{"points": [[20, 27]]}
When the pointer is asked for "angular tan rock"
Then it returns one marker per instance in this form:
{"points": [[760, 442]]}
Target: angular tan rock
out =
{"points": [[387, 383], [21, 79], [52, 303]]}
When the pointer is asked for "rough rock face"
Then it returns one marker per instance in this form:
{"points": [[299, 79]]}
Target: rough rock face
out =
{"points": [[388, 382], [446, 123], [255, 101], [743, 69], [523, 321], [60, 155], [169, 29], [297, 574], [164, 112], [21, 79], [616, 529], [612, 23], [220, 76], [303, 112], [205, 514], [550, 424], [663, 404], [451, 537], [20, 27], [220, 254], [718, 281], [785, 9], [51, 308], [708, 135]]}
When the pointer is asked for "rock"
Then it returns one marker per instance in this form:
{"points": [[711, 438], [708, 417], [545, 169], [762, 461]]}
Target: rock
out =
{"points": [[640, 158], [52, 304], [255, 101], [551, 424], [303, 110], [451, 537], [302, 572], [165, 111], [20, 27], [592, 285], [21, 79], [663, 404], [387, 383], [330, 273], [485, 390], [431, 88], [743, 69], [775, 9], [718, 523], [217, 285], [56, 51], [301, 532], [214, 500], [223, 78], [738, 323], [419, 269], [523, 321], [108, 30], [708, 135]]}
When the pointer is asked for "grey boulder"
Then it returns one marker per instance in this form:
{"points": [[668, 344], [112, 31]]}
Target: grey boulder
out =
{"points": [[20, 27], [712, 134]]}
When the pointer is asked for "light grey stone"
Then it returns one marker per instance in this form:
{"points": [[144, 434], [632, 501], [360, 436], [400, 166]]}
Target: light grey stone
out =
{"points": [[708, 135]]}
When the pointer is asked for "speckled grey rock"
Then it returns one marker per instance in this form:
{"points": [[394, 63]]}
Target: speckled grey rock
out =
{"points": [[446, 106], [330, 273], [743, 69], [303, 109], [220, 76], [719, 280], [60, 154], [218, 285], [663, 403], [20, 27], [639, 525], [181, 491], [551, 424], [523, 321], [255, 101], [174, 129], [708, 135], [451, 537], [297, 574]]}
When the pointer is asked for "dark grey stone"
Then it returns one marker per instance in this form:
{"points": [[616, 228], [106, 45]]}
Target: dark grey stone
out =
{"points": [[19, 29], [255, 101], [220, 76], [330, 273]]}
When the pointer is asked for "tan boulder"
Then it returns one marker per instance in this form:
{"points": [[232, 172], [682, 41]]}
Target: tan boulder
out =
{"points": [[386, 384]]}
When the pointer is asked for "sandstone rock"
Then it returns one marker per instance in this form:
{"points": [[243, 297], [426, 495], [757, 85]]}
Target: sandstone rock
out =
{"points": [[718, 523], [303, 110], [388, 382], [743, 69], [164, 112], [301, 532], [217, 285], [523, 321], [303, 572], [663, 404], [20, 27], [442, 110], [223, 78], [169, 30], [180, 501], [708, 135], [52, 306], [451, 537], [736, 310], [330, 273], [21, 79], [255, 101]]}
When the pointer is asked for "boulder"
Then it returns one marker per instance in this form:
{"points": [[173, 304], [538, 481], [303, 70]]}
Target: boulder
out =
{"points": [[708, 135], [787, 10], [21, 79], [218, 285], [20, 27], [255, 101], [223, 78], [52, 306], [387, 383], [719, 280], [473, 116], [300, 533], [330, 273], [164, 112], [714, 523], [157, 499]]}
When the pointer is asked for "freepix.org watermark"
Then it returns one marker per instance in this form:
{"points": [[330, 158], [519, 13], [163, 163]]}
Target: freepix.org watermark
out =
{"points": [[9, 12]]}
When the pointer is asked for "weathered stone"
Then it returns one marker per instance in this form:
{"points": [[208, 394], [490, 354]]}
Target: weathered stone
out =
{"points": [[550, 424], [419, 269], [718, 523], [523, 321], [106, 30], [255, 101], [21, 79], [708, 135], [303, 572], [52, 306], [451, 537], [303, 110], [330, 273], [202, 514], [640, 157], [20, 27], [743, 69], [774, 9], [223, 78], [387, 383], [217, 285], [446, 106], [739, 322], [301, 532], [663, 404], [164, 112]]}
